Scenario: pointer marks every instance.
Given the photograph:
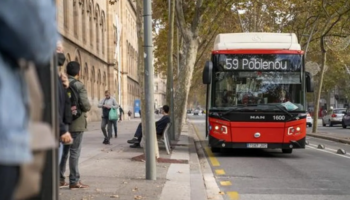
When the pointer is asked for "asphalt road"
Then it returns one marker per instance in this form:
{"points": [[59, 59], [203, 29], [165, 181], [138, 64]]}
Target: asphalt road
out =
{"points": [[306, 174]]}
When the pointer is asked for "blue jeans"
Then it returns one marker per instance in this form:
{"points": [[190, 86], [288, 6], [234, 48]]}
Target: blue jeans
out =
{"points": [[106, 122], [74, 151], [9, 178], [60, 152]]}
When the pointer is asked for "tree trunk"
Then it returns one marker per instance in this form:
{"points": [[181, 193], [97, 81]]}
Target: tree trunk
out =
{"points": [[319, 91], [190, 50], [170, 51], [140, 62]]}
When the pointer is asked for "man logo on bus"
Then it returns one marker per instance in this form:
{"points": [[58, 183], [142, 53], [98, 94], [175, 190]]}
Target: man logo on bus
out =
{"points": [[257, 135], [257, 117]]}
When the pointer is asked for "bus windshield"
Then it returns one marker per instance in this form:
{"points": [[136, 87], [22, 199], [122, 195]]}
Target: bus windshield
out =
{"points": [[239, 87]]}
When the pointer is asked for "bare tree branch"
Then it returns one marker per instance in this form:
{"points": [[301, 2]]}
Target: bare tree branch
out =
{"points": [[180, 17], [197, 18]]}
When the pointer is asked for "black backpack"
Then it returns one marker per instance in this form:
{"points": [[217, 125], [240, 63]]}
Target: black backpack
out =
{"points": [[73, 95]]}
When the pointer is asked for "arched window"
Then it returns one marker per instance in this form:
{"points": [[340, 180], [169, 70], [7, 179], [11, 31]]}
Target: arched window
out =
{"points": [[97, 29], [65, 14], [99, 84], [92, 82], [103, 31], [104, 78], [91, 27], [83, 22], [75, 19], [86, 74]]}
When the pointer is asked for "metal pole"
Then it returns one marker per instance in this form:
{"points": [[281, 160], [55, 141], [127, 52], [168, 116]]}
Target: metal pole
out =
{"points": [[149, 93]]}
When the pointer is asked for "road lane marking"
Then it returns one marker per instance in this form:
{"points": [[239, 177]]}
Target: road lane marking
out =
{"points": [[213, 160], [225, 183], [233, 195], [220, 172], [333, 153]]}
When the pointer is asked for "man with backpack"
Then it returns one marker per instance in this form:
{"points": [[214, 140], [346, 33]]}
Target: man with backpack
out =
{"points": [[107, 104], [79, 106]]}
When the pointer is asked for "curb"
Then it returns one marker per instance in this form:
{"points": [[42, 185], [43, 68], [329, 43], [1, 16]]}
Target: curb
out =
{"points": [[211, 186], [335, 139]]}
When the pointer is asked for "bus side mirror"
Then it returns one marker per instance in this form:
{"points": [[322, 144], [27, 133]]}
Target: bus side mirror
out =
{"points": [[207, 72], [309, 82]]}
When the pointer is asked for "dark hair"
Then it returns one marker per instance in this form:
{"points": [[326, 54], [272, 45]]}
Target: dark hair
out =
{"points": [[73, 68], [166, 108]]}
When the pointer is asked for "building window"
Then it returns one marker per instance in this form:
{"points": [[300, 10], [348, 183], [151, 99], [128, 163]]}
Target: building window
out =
{"points": [[83, 27], [75, 20], [65, 13], [97, 32], [92, 82], [99, 84], [103, 32]]}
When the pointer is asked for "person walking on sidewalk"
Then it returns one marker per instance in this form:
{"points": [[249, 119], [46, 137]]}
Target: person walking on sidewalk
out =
{"points": [[77, 128], [107, 104], [160, 126], [121, 113], [129, 114]]}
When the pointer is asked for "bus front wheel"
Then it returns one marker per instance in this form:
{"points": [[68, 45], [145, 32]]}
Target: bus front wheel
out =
{"points": [[287, 150], [215, 150]]}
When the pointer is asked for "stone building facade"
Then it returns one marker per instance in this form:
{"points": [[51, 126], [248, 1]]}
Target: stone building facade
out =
{"points": [[89, 36], [159, 90]]}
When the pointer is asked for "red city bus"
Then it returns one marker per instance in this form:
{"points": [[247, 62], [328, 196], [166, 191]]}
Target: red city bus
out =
{"points": [[256, 92]]}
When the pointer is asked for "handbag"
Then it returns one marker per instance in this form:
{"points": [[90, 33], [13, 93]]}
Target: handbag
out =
{"points": [[113, 114]]}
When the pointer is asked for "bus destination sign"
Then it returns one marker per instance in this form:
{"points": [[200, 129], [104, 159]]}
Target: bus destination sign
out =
{"points": [[256, 64]]}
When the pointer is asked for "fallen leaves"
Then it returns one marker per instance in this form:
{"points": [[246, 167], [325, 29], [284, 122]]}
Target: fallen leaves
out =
{"points": [[137, 197], [115, 196], [135, 189]]}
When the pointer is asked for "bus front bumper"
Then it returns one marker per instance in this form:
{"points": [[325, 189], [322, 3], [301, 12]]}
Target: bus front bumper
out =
{"points": [[218, 143]]}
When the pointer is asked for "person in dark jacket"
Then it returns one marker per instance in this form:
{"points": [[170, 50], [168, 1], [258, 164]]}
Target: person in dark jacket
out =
{"points": [[76, 128], [65, 117], [160, 126]]}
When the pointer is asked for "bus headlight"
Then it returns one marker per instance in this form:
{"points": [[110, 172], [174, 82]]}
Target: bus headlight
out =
{"points": [[216, 128], [293, 130]]}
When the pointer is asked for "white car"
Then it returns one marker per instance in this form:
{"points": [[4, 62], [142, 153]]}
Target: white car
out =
{"points": [[333, 116], [309, 120]]}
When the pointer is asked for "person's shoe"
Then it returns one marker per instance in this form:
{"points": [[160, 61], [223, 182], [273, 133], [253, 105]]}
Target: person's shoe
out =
{"points": [[115, 135], [135, 145], [63, 184], [107, 142], [78, 185], [104, 141], [133, 141]]}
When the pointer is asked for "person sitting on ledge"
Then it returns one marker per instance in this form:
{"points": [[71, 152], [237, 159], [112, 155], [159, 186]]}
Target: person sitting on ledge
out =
{"points": [[160, 126]]}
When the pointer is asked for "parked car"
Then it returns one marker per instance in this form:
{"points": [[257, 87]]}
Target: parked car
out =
{"points": [[334, 116], [196, 112], [309, 120], [189, 111], [346, 118]]}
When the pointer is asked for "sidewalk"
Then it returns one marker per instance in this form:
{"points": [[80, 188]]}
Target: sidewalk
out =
{"points": [[111, 173]]}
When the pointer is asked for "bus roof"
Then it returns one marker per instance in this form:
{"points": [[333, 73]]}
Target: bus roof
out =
{"points": [[245, 41]]}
